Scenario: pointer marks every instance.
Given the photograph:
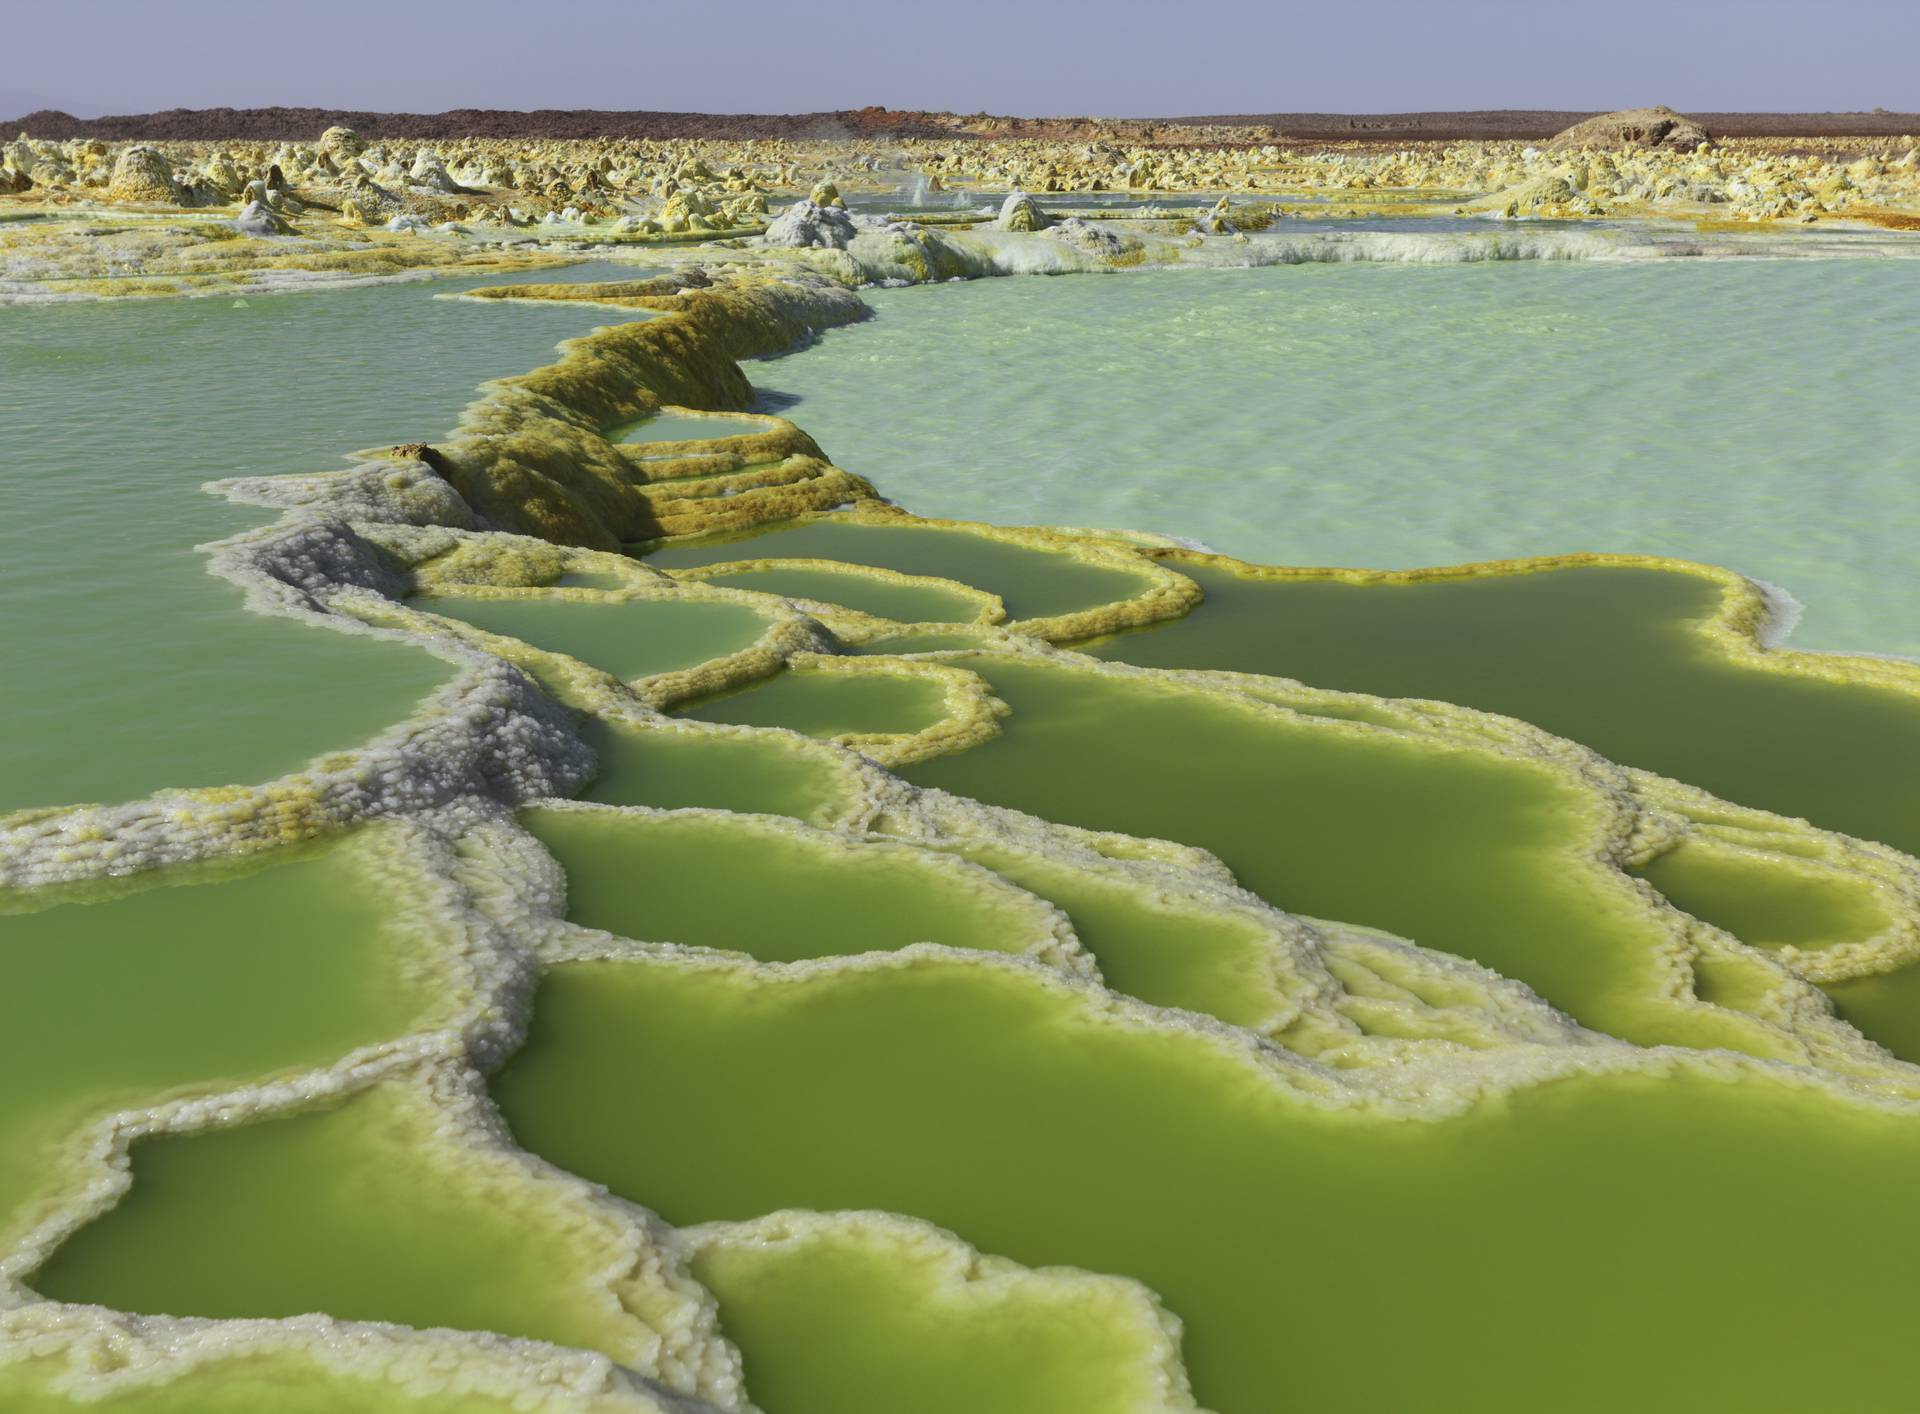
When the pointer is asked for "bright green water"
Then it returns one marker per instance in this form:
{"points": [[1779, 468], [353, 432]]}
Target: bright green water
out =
{"points": [[1033, 583], [1399, 415], [630, 638], [184, 980], [1159, 954], [1884, 1008], [127, 667], [833, 1323], [706, 882], [827, 704], [1589, 1245], [284, 1384], [1604, 656], [721, 771], [1464, 852], [1768, 907], [346, 1210], [908, 603]]}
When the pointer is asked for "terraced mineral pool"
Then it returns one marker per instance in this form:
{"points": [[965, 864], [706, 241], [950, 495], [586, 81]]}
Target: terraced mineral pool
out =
{"points": [[830, 704], [883, 598], [195, 978], [129, 668], [1609, 657], [630, 638], [845, 1320], [1886, 1008], [774, 893], [679, 426], [1466, 852], [1033, 583], [1150, 949], [359, 1211], [1258, 1199], [1768, 900], [672, 770], [1400, 415], [1772, 902]]}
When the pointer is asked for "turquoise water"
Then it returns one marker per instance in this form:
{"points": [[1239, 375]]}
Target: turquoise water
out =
{"points": [[1754, 414], [127, 666]]}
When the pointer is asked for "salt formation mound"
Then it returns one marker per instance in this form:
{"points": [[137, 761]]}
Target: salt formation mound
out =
{"points": [[807, 223], [368, 203], [1214, 220], [1021, 212], [1102, 241], [430, 172], [1635, 127], [143, 174], [341, 144], [259, 219]]}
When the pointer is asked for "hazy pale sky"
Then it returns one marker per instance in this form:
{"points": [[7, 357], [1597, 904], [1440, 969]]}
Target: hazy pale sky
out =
{"points": [[1042, 57]]}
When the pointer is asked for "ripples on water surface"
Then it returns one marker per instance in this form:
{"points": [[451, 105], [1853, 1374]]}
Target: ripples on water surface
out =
{"points": [[1758, 415]]}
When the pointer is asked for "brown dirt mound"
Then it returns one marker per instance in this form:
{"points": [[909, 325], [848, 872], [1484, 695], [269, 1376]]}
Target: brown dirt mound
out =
{"points": [[1635, 127], [1539, 124]]}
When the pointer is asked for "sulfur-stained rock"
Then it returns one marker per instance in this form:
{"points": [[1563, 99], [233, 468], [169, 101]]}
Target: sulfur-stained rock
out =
{"points": [[429, 173], [1020, 212], [272, 197], [143, 174], [688, 210], [745, 209], [368, 203], [340, 144], [1103, 241], [1215, 220], [807, 223], [259, 219]]}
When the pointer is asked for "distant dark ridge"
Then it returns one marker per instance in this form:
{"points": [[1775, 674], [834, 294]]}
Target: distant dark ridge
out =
{"points": [[306, 124], [876, 124], [1521, 124]]}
